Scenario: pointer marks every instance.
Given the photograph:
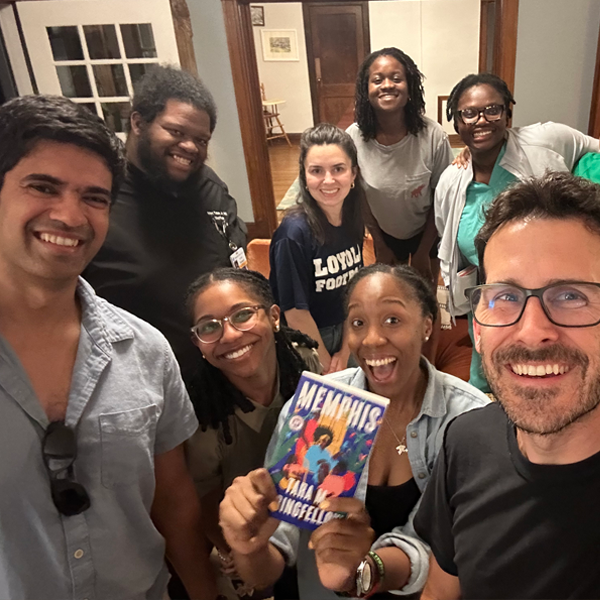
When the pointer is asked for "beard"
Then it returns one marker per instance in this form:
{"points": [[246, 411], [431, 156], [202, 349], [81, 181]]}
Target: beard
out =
{"points": [[156, 171], [536, 410]]}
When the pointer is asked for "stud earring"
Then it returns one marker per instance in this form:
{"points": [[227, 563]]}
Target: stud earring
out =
{"points": [[352, 185], [276, 327], [426, 338]]}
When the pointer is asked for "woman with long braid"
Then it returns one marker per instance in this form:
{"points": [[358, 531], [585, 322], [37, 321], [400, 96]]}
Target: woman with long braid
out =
{"points": [[248, 366]]}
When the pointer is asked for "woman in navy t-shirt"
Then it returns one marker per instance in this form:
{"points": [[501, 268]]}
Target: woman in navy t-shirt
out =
{"points": [[318, 246]]}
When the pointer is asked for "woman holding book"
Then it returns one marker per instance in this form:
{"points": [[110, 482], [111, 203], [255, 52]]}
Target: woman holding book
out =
{"points": [[390, 312], [247, 366]]}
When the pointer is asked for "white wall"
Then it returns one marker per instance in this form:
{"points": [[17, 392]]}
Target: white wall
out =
{"points": [[556, 55], [286, 80], [441, 36], [226, 154]]}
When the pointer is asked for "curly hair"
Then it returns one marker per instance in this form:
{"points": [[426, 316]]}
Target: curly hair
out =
{"points": [[26, 120], [214, 397], [163, 83], [352, 210], [414, 111], [405, 275], [472, 80], [552, 196]]}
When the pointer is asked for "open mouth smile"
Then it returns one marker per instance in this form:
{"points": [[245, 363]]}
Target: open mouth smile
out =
{"points": [[59, 240], [530, 370], [237, 353], [381, 369]]}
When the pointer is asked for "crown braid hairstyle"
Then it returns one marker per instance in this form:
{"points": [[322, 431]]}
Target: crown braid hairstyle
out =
{"points": [[472, 80], [364, 114], [214, 397]]}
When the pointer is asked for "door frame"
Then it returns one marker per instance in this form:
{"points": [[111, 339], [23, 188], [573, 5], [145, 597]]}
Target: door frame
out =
{"points": [[312, 75], [594, 125], [242, 55]]}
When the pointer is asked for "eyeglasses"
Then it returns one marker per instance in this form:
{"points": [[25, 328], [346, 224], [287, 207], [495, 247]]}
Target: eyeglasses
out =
{"points": [[59, 450], [490, 113], [572, 304], [210, 331]]}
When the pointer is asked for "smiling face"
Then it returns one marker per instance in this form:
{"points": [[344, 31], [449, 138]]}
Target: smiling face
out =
{"points": [[559, 366], [174, 145], [238, 354], [388, 87], [329, 177], [386, 331], [54, 207], [482, 137]]}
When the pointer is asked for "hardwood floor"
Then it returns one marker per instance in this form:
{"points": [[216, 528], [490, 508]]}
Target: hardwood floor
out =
{"points": [[284, 166]]}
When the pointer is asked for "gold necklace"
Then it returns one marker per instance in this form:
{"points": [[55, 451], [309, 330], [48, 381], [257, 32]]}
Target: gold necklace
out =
{"points": [[401, 448]]}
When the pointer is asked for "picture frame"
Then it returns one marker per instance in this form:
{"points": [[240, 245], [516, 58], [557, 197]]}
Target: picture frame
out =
{"points": [[257, 15], [280, 44]]}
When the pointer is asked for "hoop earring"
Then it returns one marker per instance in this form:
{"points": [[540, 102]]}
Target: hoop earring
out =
{"points": [[352, 185]]}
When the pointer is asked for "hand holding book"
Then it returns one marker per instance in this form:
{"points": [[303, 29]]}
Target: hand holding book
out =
{"points": [[244, 513]]}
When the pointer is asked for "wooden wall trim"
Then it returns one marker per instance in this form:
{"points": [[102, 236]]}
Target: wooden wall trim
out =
{"points": [[505, 40], [594, 126], [240, 41], [184, 35]]}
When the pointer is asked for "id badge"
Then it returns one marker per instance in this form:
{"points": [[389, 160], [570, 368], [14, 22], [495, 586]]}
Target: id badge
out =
{"points": [[238, 259]]}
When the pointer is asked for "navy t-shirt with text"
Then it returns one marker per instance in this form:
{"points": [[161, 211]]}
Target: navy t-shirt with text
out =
{"points": [[309, 276]]}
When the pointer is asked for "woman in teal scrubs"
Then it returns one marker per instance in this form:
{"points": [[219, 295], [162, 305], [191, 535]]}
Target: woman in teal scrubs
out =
{"points": [[480, 106]]}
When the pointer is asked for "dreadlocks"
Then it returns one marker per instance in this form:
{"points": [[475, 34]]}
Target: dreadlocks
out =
{"points": [[364, 114], [471, 81], [214, 397]]}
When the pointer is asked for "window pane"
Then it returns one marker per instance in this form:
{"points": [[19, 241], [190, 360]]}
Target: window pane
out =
{"points": [[65, 43], [116, 115], [74, 82], [91, 106], [138, 40], [110, 80], [101, 41], [137, 71]]}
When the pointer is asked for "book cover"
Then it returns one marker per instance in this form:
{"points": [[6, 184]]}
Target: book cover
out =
{"points": [[323, 447]]}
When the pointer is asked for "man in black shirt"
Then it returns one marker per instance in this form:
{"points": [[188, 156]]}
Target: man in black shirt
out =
{"points": [[174, 218], [511, 510]]}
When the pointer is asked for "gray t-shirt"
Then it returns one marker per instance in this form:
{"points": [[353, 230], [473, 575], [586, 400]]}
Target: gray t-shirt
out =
{"points": [[127, 404], [400, 179]]}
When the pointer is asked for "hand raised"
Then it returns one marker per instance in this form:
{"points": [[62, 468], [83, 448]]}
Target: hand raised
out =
{"points": [[244, 515]]}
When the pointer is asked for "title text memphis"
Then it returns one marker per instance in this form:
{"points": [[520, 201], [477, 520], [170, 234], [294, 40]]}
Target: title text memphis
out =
{"points": [[360, 415]]}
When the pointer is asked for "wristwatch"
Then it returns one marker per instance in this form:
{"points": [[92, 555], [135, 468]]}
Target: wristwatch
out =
{"points": [[364, 578]]}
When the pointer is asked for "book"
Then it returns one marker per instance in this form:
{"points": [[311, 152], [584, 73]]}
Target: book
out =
{"points": [[323, 447]]}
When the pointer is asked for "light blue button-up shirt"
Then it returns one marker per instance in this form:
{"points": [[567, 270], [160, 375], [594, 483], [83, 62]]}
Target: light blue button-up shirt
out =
{"points": [[445, 398], [127, 403]]}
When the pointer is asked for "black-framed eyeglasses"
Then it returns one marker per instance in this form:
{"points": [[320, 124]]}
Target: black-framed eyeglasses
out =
{"points": [[490, 113], [566, 304], [59, 449], [210, 331]]}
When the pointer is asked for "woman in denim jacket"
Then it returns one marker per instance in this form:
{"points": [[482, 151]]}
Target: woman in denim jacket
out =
{"points": [[390, 311]]}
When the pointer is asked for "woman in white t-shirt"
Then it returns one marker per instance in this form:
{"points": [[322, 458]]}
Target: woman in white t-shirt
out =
{"points": [[401, 155]]}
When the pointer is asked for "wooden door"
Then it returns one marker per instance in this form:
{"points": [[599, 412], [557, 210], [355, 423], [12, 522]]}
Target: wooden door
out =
{"points": [[337, 41]]}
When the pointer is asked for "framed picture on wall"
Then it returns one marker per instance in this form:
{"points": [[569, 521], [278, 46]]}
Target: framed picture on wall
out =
{"points": [[257, 14], [279, 44]]}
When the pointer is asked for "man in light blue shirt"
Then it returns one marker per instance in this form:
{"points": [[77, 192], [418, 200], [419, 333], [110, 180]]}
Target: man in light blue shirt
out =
{"points": [[93, 413]]}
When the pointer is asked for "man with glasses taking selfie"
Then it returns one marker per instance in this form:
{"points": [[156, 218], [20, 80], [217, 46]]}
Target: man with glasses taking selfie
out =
{"points": [[512, 507], [93, 411]]}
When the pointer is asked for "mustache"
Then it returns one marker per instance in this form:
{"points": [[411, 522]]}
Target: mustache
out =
{"points": [[553, 353]]}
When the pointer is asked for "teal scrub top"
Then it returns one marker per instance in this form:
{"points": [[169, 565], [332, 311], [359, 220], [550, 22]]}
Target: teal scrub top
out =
{"points": [[479, 197]]}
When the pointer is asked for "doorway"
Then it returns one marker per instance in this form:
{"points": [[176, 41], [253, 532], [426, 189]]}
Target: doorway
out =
{"points": [[337, 41], [240, 41]]}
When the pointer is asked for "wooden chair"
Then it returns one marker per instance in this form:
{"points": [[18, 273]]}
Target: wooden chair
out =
{"points": [[271, 117], [258, 256]]}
